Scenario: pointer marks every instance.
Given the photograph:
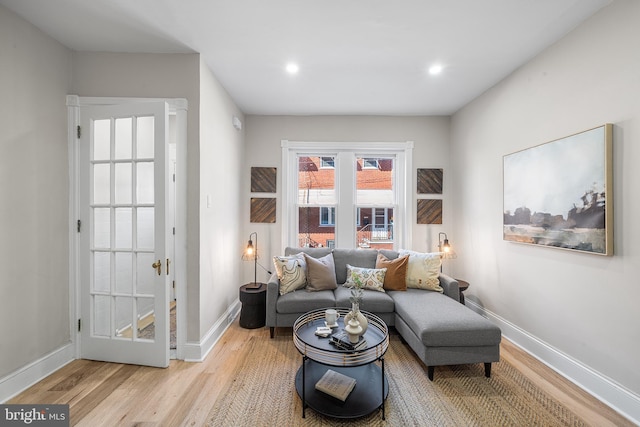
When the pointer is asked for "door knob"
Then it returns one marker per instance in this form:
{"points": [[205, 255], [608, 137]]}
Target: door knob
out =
{"points": [[158, 266]]}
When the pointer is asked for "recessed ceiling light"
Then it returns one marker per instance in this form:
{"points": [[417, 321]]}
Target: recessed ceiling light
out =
{"points": [[435, 69], [292, 68]]}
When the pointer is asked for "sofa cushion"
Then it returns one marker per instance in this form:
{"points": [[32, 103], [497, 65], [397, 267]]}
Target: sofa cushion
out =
{"points": [[375, 302], [440, 321], [365, 258], [291, 271], [395, 278], [321, 273], [314, 252], [367, 278], [302, 301], [390, 254], [423, 270]]}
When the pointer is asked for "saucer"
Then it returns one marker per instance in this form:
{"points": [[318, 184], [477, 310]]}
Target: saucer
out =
{"points": [[333, 325]]}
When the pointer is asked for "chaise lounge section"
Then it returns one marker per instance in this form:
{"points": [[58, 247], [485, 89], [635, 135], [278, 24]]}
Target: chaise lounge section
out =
{"points": [[439, 329]]}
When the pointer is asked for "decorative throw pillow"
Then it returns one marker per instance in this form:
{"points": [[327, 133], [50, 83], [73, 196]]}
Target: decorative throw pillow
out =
{"points": [[292, 272], [423, 270], [396, 277], [321, 273], [370, 278]]}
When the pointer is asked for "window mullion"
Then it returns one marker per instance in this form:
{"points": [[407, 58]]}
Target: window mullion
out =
{"points": [[346, 196]]}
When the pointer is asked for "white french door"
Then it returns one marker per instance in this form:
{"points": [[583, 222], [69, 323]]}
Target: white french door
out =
{"points": [[123, 263]]}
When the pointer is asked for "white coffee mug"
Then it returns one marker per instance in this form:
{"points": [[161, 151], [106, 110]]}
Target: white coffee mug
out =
{"points": [[331, 316]]}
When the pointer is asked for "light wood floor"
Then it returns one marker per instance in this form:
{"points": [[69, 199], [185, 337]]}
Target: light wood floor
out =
{"points": [[109, 394]]}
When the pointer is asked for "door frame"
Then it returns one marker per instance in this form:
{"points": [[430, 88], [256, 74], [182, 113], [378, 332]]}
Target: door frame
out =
{"points": [[179, 107]]}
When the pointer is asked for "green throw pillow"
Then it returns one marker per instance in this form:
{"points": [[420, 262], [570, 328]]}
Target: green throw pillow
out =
{"points": [[370, 278], [321, 273]]}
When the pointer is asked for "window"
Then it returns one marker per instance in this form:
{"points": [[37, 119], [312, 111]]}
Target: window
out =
{"points": [[315, 200], [331, 198], [327, 162], [369, 163], [375, 199], [327, 216]]}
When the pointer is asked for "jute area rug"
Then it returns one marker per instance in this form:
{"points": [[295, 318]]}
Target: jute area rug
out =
{"points": [[263, 393]]}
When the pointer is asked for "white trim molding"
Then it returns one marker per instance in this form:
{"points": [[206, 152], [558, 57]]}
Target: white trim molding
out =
{"points": [[18, 381], [198, 351], [604, 389]]}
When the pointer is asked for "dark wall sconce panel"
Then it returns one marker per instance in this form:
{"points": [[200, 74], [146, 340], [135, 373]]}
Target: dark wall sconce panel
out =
{"points": [[429, 211], [263, 210], [429, 181], [263, 180]]}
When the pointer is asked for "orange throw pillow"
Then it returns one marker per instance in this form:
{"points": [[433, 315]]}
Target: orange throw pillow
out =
{"points": [[396, 276]]}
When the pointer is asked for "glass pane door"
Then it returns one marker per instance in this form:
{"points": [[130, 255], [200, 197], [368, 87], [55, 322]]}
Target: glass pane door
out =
{"points": [[124, 281], [122, 168]]}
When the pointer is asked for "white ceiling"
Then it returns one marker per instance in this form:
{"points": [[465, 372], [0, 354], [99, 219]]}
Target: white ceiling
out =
{"points": [[355, 56]]}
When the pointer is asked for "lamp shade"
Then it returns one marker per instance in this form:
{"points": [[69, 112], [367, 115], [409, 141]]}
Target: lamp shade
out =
{"points": [[445, 249], [251, 254]]}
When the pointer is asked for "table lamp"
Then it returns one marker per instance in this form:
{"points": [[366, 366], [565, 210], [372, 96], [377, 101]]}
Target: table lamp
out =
{"points": [[251, 253], [445, 248]]}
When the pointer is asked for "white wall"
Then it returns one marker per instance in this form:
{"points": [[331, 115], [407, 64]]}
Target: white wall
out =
{"points": [[35, 75], [584, 306], [263, 139], [34, 183], [156, 76], [214, 156], [221, 161]]}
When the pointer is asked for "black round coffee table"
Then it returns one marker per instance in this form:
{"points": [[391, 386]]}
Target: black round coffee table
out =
{"points": [[318, 355]]}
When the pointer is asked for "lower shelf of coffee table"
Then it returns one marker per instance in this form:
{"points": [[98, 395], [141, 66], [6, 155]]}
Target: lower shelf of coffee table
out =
{"points": [[366, 396]]}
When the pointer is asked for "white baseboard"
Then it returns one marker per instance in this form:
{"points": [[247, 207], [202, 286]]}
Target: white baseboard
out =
{"points": [[604, 389], [25, 377], [18, 381], [197, 351]]}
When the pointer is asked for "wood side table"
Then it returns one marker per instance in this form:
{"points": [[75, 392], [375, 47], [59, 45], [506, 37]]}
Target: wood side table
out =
{"points": [[463, 287], [254, 306]]}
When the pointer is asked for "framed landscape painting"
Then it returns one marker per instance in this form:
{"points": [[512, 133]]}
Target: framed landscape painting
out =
{"points": [[559, 194]]}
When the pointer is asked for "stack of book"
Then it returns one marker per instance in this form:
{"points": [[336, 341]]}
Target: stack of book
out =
{"points": [[336, 384], [341, 341], [323, 331]]}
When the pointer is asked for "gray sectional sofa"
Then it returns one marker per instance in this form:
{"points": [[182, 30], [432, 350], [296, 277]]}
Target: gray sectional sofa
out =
{"points": [[439, 329]]}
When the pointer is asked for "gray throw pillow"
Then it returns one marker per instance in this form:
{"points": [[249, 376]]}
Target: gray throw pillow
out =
{"points": [[321, 273]]}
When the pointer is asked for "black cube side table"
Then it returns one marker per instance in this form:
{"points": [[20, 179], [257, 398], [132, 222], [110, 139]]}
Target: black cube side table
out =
{"points": [[254, 302]]}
